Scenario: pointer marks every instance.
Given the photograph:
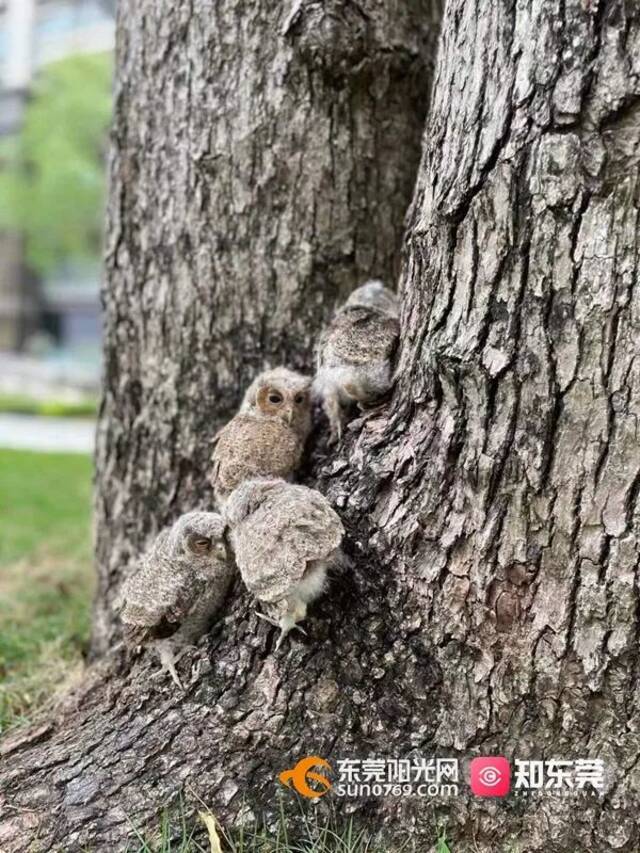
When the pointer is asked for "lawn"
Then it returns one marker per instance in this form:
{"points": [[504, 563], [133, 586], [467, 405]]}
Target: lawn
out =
{"points": [[45, 576], [20, 404]]}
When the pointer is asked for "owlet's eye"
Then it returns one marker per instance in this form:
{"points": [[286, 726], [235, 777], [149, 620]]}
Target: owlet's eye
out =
{"points": [[275, 398], [199, 544], [299, 399]]}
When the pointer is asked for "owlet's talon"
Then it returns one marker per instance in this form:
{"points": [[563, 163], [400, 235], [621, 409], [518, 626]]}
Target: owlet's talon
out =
{"points": [[268, 619], [280, 641]]}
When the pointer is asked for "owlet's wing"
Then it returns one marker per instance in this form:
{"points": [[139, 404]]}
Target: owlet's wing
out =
{"points": [[158, 597], [292, 527]]}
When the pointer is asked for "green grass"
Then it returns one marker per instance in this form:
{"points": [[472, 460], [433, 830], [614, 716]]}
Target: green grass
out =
{"points": [[176, 833], [45, 576], [441, 841], [22, 405]]}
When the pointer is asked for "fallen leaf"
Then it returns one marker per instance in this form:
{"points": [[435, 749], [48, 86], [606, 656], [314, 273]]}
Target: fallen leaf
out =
{"points": [[210, 822]]}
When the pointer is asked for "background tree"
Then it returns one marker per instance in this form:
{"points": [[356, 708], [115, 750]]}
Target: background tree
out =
{"points": [[52, 186], [491, 507]]}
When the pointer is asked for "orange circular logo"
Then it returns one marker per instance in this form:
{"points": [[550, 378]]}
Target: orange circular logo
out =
{"points": [[302, 773]]}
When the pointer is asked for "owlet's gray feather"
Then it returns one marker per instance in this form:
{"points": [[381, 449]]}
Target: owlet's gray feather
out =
{"points": [[179, 587], [356, 352]]}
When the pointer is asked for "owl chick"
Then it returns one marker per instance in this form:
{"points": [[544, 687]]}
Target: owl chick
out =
{"points": [[285, 538], [356, 351], [267, 436], [180, 585]]}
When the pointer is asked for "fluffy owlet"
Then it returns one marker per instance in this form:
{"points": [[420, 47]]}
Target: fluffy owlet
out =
{"points": [[180, 585], [285, 538], [356, 352], [267, 436]]}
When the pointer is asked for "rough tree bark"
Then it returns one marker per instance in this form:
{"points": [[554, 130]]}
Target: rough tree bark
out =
{"points": [[492, 507], [264, 159]]}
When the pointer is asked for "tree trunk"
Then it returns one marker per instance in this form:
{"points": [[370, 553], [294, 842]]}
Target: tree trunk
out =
{"points": [[264, 159], [491, 508], [512, 467]]}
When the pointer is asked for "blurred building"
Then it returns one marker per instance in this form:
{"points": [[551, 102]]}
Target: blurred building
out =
{"points": [[32, 34]]}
